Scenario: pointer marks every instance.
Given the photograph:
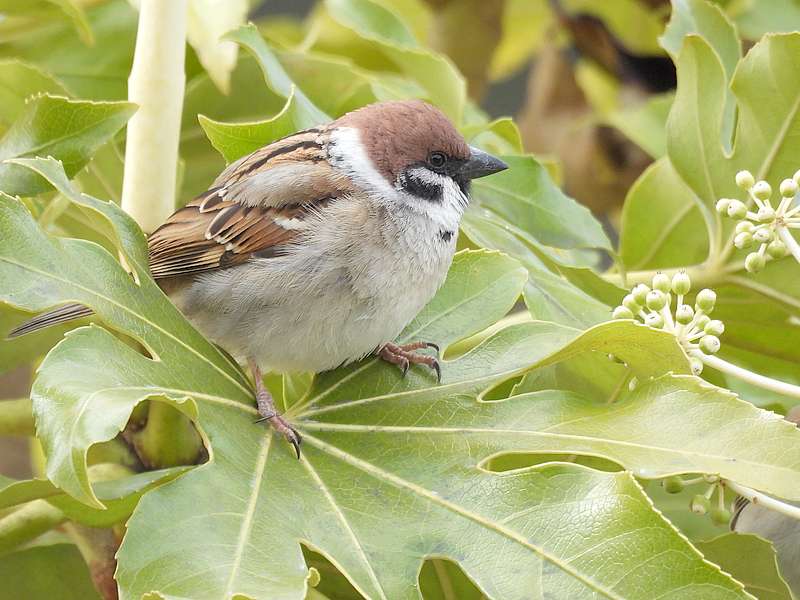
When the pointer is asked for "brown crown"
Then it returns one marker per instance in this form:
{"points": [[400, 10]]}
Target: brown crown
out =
{"points": [[402, 133]]}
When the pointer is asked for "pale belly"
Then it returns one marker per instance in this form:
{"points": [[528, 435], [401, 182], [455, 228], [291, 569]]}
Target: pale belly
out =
{"points": [[331, 315]]}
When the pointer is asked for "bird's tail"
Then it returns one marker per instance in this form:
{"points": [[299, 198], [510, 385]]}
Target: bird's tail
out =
{"points": [[62, 314]]}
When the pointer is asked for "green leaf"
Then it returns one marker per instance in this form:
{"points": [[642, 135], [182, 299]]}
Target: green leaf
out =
{"points": [[647, 351], [19, 81], [40, 9], [749, 559], [758, 17], [526, 198], [377, 24], [234, 140], [704, 19], [84, 70], [708, 21], [662, 226], [68, 130], [275, 75], [44, 573], [120, 496]]}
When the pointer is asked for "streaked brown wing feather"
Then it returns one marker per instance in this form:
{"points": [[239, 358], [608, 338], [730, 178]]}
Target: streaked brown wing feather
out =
{"points": [[240, 217]]}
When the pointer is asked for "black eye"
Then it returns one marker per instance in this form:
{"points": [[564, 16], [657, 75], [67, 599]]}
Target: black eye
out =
{"points": [[437, 160]]}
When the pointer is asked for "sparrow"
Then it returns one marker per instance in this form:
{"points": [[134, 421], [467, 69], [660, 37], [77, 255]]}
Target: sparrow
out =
{"points": [[319, 248]]}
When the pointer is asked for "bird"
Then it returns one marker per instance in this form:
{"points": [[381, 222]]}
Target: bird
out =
{"points": [[316, 250]]}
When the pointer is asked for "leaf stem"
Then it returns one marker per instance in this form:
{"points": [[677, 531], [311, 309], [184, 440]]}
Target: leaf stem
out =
{"points": [[156, 85], [762, 499], [791, 244], [16, 417], [28, 522], [98, 548], [767, 383]]}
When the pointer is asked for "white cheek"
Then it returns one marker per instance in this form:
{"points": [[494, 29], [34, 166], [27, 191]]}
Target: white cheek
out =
{"points": [[445, 212], [347, 153]]}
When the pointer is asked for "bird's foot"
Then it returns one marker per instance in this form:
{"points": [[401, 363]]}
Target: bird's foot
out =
{"points": [[266, 408], [404, 355]]}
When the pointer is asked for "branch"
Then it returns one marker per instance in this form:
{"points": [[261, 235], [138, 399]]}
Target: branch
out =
{"points": [[156, 85], [16, 417]]}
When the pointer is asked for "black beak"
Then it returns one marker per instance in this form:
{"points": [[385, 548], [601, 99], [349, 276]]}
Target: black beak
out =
{"points": [[481, 164]]}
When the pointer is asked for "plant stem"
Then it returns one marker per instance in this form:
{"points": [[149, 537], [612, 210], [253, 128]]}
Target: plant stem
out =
{"points": [[156, 85], [29, 521], [762, 499], [702, 276], [168, 439], [16, 417], [791, 244], [98, 547], [767, 383]]}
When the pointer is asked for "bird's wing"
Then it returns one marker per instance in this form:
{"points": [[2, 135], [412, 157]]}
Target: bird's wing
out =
{"points": [[257, 205]]}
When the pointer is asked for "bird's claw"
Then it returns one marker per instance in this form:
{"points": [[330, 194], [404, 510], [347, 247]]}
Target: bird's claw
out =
{"points": [[404, 356]]}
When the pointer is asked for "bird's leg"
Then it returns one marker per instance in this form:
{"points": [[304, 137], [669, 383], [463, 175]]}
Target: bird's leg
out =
{"points": [[404, 355], [266, 408]]}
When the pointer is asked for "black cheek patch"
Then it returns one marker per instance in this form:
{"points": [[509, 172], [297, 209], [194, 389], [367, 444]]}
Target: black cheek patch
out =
{"points": [[420, 188]]}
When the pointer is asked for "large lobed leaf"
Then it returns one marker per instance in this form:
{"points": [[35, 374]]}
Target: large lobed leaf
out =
{"points": [[358, 495]]}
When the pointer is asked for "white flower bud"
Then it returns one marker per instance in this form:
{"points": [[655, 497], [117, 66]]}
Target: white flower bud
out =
{"points": [[705, 300], [681, 283], [656, 300], [621, 313], [737, 209], [714, 327], [661, 282], [697, 365], [789, 188], [762, 190], [745, 180], [796, 177], [763, 235], [702, 322], [722, 205], [654, 320], [709, 344], [777, 249], [684, 314], [766, 214], [631, 304], [744, 227], [639, 293], [743, 240], [754, 262]]}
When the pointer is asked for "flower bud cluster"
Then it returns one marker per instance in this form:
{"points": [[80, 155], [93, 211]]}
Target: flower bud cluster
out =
{"points": [[693, 327], [701, 504], [759, 222]]}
